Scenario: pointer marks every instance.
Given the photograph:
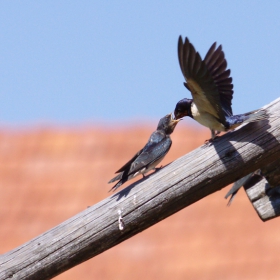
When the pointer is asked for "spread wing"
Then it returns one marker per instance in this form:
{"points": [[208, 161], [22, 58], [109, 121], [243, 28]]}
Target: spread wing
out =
{"points": [[199, 80], [216, 65], [156, 148]]}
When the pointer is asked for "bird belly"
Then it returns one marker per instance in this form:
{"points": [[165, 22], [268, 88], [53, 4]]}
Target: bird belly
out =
{"points": [[152, 166], [207, 119]]}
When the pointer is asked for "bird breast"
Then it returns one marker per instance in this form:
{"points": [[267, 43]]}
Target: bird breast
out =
{"points": [[206, 119]]}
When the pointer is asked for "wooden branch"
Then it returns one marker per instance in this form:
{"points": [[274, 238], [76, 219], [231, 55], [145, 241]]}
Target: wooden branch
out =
{"points": [[139, 206], [264, 193]]}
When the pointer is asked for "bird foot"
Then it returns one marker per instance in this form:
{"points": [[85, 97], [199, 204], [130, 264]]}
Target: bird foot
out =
{"points": [[211, 140], [208, 141], [157, 168]]}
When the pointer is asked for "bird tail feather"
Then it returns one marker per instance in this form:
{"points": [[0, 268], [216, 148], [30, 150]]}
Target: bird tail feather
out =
{"points": [[256, 116], [118, 177], [116, 186], [120, 180], [235, 188]]}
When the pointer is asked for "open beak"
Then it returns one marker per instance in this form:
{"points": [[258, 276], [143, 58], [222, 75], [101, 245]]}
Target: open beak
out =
{"points": [[178, 115], [170, 116], [173, 122], [176, 120]]}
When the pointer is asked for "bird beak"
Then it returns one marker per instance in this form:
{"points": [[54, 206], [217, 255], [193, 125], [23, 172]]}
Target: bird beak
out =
{"points": [[174, 120], [178, 115]]}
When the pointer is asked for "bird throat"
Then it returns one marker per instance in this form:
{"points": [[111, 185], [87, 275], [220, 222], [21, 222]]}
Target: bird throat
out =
{"points": [[189, 109]]}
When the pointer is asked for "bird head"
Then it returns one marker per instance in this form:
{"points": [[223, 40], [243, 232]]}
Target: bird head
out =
{"points": [[167, 124], [183, 108]]}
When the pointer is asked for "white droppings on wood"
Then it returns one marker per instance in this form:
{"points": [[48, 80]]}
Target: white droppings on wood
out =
{"points": [[121, 222]]}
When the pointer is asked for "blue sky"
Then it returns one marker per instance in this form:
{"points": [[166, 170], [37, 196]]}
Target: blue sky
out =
{"points": [[73, 62]]}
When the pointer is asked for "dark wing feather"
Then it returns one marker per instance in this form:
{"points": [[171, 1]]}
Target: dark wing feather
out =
{"points": [[117, 178], [198, 78], [209, 54], [124, 169], [156, 148], [216, 64], [216, 60], [127, 165], [180, 53]]}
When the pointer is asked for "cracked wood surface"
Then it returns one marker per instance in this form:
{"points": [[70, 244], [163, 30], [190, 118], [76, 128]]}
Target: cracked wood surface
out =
{"points": [[195, 175]]}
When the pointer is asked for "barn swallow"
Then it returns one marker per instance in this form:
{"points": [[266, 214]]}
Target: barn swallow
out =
{"points": [[151, 155], [212, 90]]}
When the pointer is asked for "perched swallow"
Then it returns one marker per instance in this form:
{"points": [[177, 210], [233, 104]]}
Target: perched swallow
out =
{"points": [[212, 90], [151, 155]]}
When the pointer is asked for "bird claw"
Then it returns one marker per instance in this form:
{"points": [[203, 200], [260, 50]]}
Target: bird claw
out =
{"points": [[211, 140], [157, 168], [207, 141]]}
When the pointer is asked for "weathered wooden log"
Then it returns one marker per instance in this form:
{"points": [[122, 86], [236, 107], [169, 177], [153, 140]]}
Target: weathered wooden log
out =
{"points": [[146, 202], [264, 194]]}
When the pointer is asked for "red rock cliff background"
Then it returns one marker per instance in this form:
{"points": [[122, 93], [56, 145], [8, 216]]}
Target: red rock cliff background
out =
{"points": [[49, 174]]}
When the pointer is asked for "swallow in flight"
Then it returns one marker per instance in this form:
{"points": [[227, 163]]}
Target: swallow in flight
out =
{"points": [[151, 155], [212, 90]]}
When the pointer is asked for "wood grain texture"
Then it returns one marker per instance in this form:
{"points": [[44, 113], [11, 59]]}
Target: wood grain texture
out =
{"points": [[271, 172], [201, 172], [265, 195], [267, 206]]}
